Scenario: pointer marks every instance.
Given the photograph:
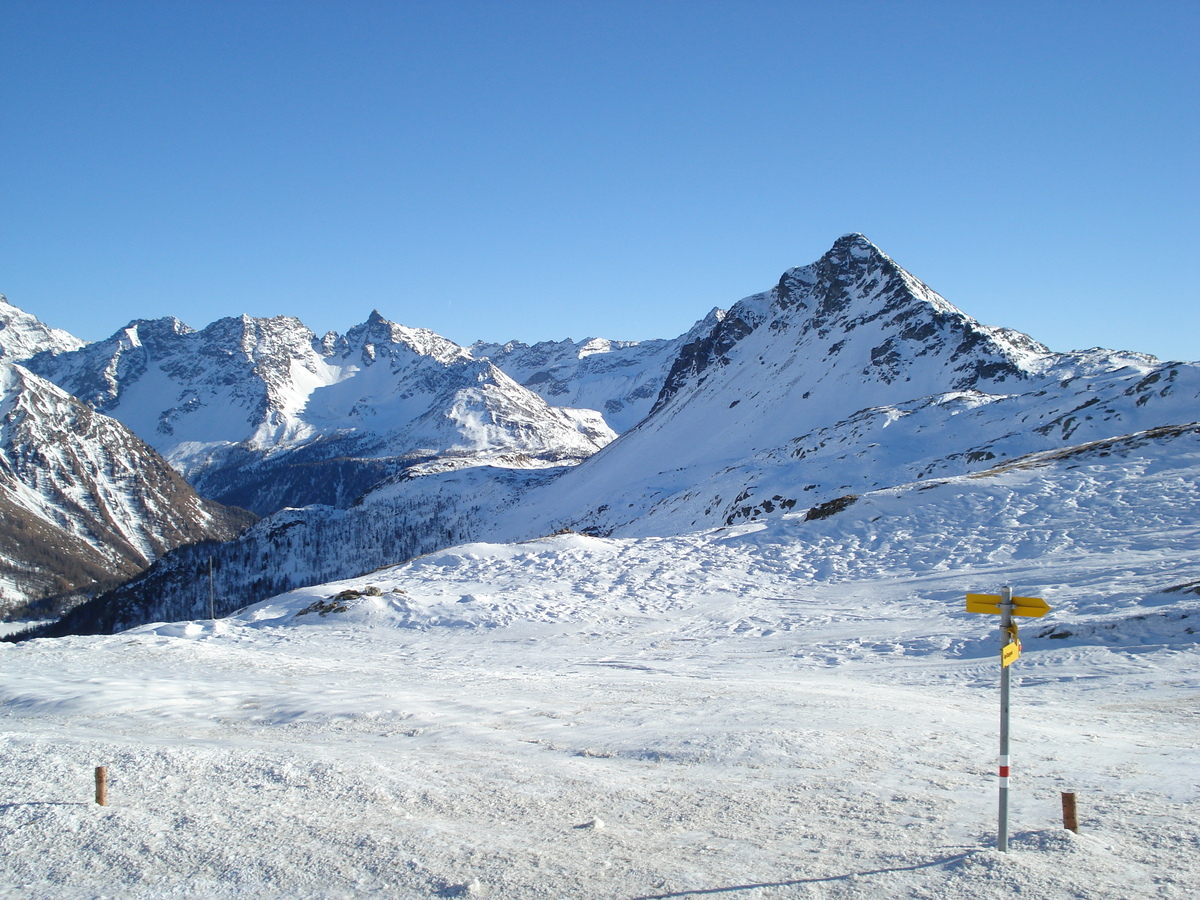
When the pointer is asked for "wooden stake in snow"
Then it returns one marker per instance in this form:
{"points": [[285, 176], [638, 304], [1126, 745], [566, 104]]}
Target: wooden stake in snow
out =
{"points": [[102, 785], [1070, 819]]}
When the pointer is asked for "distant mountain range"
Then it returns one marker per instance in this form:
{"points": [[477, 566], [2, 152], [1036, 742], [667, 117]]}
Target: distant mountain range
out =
{"points": [[848, 375], [260, 413]]}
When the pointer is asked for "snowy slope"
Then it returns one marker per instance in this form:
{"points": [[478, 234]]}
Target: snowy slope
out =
{"points": [[261, 413], [784, 708], [82, 499], [23, 335], [754, 678]]}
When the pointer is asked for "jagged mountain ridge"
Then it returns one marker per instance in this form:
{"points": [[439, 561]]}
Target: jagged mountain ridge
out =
{"points": [[83, 501], [263, 414], [848, 376], [23, 335]]}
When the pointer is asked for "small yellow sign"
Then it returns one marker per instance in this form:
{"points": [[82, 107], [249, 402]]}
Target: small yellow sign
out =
{"points": [[1030, 607], [1009, 654]]}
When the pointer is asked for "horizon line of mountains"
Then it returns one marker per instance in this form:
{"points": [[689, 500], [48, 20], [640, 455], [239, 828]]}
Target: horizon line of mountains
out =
{"points": [[125, 464]]}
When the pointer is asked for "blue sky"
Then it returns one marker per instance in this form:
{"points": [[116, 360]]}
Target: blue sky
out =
{"points": [[573, 169]]}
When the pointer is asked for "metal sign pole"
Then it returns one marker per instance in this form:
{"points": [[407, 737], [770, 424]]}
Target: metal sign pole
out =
{"points": [[1006, 608]]}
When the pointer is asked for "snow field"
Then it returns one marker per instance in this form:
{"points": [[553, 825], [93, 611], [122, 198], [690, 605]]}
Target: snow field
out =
{"points": [[416, 765], [784, 709]]}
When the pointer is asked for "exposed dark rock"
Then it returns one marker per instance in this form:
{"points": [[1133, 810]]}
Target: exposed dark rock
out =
{"points": [[830, 508]]}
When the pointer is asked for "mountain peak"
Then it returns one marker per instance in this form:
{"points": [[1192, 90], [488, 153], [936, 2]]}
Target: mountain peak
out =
{"points": [[854, 251], [854, 240], [867, 320], [23, 335], [387, 337]]}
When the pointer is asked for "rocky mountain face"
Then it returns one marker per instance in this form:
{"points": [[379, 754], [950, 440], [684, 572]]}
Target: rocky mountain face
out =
{"points": [[23, 335], [856, 317], [848, 376], [262, 414], [84, 503]]}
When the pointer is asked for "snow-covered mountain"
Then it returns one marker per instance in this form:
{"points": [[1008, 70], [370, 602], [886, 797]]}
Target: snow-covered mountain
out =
{"points": [[83, 501], [848, 376], [22, 335], [620, 379], [263, 414]]}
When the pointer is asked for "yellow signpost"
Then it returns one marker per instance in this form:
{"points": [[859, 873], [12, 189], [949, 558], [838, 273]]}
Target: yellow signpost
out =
{"points": [[1009, 653], [1005, 605], [1030, 607]]}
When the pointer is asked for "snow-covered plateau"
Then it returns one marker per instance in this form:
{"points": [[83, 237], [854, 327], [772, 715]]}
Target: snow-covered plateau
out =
{"points": [[793, 707]]}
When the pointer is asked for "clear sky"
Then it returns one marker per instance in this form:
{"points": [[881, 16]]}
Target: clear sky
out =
{"points": [[538, 171]]}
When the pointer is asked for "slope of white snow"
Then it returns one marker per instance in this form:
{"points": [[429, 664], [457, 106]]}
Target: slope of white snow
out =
{"points": [[793, 703], [783, 708]]}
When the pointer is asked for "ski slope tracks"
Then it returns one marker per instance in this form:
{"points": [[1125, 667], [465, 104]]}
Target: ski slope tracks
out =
{"points": [[797, 706]]}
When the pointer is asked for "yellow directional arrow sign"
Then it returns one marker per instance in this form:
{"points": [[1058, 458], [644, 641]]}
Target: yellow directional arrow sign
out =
{"points": [[1009, 653], [1030, 607]]}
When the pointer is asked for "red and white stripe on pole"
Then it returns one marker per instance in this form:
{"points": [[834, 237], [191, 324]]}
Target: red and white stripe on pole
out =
{"points": [[1004, 771]]}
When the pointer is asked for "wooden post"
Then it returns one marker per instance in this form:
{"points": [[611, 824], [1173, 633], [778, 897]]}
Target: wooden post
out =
{"points": [[102, 785], [1070, 819]]}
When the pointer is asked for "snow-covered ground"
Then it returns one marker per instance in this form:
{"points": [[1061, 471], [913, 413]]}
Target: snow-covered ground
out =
{"points": [[780, 709]]}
